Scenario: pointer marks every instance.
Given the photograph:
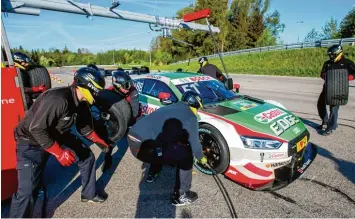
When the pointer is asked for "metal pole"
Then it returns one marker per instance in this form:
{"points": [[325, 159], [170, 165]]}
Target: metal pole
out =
{"points": [[93, 10], [5, 44], [215, 43]]}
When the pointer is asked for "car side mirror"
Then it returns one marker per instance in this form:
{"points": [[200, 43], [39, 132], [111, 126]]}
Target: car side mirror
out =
{"points": [[164, 98], [229, 83], [236, 87]]}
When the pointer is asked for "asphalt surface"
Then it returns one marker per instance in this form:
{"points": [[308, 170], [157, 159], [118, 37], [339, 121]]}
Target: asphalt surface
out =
{"points": [[326, 189]]}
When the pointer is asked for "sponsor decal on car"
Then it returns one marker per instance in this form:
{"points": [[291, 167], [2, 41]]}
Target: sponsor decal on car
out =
{"points": [[269, 115], [296, 130], [278, 164], [304, 166], [277, 155], [281, 125], [232, 172], [180, 81], [148, 108], [139, 86], [154, 76], [301, 144], [244, 104], [200, 78]]}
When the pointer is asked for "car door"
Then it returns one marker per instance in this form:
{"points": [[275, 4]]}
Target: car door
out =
{"points": [[149, 90]]}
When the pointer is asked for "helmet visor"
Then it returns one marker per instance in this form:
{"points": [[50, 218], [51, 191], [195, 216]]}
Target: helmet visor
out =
{"points": [[124, 85]]}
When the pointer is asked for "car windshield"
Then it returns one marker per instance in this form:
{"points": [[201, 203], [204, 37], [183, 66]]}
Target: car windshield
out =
{"points": [[211, 91]]}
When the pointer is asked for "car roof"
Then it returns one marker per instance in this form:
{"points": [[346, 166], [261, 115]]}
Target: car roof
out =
{"points": [[176, 75]]}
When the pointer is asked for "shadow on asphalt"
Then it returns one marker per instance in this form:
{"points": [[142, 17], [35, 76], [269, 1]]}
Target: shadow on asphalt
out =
{"points": [[346, 168], [154, 198], [61, 184]]}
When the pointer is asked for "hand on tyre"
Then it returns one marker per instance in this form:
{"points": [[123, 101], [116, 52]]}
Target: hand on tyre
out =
{"points": [[64, 156], [40, 88]]}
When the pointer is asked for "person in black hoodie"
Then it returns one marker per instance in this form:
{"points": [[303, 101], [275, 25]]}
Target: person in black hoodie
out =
{"points": [[46, 130], [173, 139]]}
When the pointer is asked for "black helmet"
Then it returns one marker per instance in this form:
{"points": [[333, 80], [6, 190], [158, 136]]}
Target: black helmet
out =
{"points": [[121, 79], [192, 99], [93, 66], [179, 70], [90, 82], [335, 52], [201, 60], [20, 57]]}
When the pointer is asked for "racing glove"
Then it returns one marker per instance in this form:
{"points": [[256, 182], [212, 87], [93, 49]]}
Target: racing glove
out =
{"points": [[40, 89], [64, 156], [99, 141]]}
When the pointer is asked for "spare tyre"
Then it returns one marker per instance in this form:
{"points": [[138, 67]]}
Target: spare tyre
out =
{"points": [[116, 113], [215, 148], [337, 87], [39, 75]]}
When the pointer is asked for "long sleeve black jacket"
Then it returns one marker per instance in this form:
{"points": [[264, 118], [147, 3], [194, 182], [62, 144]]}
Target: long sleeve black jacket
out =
{"points": [[52, 114]]}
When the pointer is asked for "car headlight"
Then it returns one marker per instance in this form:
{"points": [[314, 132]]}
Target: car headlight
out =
{"points": [[260, 143]]}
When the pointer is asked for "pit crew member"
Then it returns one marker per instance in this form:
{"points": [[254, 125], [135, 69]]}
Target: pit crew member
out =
{"points": [[123, 85], [170, 136], [210, 69], [45, 131], [336, 61], [22, 61]]}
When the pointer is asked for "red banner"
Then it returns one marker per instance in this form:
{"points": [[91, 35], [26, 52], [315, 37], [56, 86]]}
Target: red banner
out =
{"points": [[197, 15]]}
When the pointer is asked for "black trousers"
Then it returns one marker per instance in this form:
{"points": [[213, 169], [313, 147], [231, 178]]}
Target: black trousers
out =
{"points": [[172, 154], [331, 120], [31, 161]]}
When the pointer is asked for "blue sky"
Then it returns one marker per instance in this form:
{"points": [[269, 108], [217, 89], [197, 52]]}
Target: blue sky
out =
{"points": [[56, 29]]}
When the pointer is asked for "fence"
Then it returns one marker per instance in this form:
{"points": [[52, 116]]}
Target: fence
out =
{"points": [[321, 43]]}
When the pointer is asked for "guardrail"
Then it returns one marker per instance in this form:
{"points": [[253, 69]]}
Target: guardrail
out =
{"points": [[321, 43]]}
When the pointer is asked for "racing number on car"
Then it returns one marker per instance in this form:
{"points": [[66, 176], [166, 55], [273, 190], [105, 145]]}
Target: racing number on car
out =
{"points": [[139, 86], [189, 87]]}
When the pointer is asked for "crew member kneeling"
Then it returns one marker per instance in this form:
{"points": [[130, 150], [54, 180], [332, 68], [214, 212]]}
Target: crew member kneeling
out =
{"points": [[337, 61], [170, 136], [46, 129]]}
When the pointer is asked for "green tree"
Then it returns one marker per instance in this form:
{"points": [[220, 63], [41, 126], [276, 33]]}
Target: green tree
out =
{"points": [[313, 36], [331, 29], [347, 25]]}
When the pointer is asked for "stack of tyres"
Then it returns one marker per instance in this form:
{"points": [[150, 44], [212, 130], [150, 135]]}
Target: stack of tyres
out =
{"points": [[337, 87]]}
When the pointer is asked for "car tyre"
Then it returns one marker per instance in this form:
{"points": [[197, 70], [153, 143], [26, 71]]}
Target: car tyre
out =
{"points": [[337, 87], [39, 75], [215, 149]]}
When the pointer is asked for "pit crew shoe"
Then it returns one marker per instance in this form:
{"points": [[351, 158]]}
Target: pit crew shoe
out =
{"points": [[328, 132], [186, 198], [151, 178], [321, 127], [96, 199]]}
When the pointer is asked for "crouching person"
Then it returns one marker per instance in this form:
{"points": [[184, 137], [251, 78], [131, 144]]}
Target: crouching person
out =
{"points": [[45, 130], [170, 136]]}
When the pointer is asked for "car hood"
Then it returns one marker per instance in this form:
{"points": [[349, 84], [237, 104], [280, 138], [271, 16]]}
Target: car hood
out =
{"points": [[258, 116]]}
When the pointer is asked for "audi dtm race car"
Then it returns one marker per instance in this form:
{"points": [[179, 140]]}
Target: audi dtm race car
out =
{"points": [[256, 143]]}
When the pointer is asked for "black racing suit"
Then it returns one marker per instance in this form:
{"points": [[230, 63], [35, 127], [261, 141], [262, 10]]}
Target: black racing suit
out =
{"points": [[50, 119], [213, 71], [343, 63], [174, 130]]}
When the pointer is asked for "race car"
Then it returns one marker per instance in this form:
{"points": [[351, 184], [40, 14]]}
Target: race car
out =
{"points": [[256, 143]]}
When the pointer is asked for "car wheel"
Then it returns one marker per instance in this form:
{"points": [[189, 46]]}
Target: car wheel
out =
{"points": [[116, 113], [215, 148]]}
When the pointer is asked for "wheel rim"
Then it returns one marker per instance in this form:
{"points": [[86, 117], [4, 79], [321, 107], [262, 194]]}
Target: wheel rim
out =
{"points": [[112, 126], [211, 150]]}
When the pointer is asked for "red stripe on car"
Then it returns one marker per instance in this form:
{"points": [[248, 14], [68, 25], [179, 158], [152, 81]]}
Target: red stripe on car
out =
{"points": [[242, 130], [254, 169]]}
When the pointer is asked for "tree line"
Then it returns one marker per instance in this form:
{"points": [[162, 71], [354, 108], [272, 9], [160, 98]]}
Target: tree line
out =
{"points": [[243, 24]]}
